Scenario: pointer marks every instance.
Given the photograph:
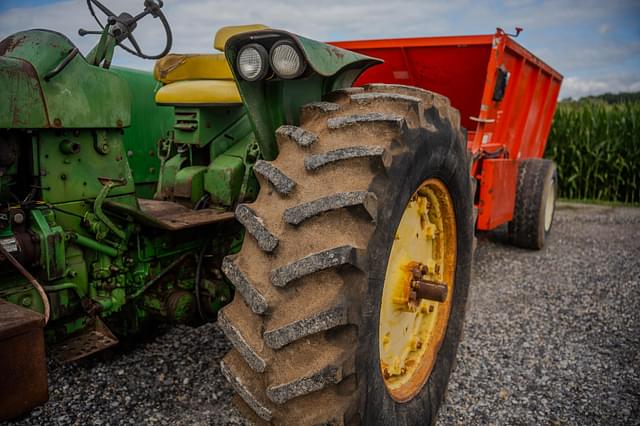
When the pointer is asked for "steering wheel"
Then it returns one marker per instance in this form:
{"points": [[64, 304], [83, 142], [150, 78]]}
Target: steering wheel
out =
{"points": [[122, 26]]}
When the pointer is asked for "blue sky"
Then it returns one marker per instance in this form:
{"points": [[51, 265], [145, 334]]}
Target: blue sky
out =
{"points": [[594, 43]]}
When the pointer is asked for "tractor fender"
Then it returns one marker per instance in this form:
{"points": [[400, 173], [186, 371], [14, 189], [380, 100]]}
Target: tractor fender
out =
{"points": [[273, 102], [47, 83]]}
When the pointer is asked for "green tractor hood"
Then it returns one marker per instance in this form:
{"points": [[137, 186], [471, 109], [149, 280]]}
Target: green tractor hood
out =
{"points": [[46, 83], [272, 102]]}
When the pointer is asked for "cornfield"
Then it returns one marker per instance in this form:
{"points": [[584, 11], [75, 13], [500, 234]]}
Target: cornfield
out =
{"points": [[596, 146]]}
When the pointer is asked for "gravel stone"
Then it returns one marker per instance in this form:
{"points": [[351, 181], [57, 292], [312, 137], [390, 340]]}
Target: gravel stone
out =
{"points": [[170, 378], [551, 337]]}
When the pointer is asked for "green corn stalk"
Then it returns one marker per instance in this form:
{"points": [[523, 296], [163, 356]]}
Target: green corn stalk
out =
{"points": [[596, 146]]}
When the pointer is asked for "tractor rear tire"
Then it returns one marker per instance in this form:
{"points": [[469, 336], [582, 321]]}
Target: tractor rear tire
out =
{"points": [[310, 276], [535, 203]]}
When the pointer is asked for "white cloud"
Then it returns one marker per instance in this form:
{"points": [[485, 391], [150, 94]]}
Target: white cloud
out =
{"points": [[587, 56], [551, 27], [577, 87]]}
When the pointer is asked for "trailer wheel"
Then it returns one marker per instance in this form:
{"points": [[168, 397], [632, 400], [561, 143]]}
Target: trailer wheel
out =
{"points": [[535, 203], [354, 280]]}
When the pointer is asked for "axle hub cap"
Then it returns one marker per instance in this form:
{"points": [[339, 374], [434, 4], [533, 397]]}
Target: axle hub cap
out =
{"points": [[418, 290]]}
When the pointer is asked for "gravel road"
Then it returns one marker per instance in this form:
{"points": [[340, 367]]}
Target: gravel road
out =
{"points": [[551, 337]]}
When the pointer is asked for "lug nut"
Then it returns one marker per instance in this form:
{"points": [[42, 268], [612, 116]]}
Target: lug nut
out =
{"points": [[416, 271]]}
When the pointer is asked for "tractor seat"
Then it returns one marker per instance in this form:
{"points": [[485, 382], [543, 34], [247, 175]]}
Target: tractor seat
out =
{"points": [[200, 79]]}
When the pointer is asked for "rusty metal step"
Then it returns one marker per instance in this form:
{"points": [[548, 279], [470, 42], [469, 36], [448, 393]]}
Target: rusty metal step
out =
{"points": [[95, 339]]}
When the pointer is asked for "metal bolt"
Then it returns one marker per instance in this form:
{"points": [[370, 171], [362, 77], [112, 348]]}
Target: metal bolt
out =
{"points": [[416, 271], [385, 373], [18, 218], [430, 290]]}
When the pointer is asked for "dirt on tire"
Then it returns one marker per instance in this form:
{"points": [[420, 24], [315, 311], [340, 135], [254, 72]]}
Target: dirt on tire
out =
{"points": [[308, 278]]}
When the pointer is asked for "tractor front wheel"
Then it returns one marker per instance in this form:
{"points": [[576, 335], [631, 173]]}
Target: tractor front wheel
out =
{"points": [[354, 280]]}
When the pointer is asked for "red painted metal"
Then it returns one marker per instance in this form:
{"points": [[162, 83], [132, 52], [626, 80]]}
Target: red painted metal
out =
{"points": [[465, 69], [498, 180]]}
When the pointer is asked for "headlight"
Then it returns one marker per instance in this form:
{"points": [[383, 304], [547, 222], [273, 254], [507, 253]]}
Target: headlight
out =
{"points": [[286, 60], [252, 62]]}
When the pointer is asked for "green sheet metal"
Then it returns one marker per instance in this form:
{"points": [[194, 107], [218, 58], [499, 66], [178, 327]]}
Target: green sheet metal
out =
{"points": [[78, 96], [273, 102], [149, 123]]}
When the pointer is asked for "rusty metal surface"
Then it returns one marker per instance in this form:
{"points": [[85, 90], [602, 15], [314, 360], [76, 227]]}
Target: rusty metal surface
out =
{"points": [[23, 371], [430, 290], [45, 301], [173, 216], [15, 320], [93, 340]]}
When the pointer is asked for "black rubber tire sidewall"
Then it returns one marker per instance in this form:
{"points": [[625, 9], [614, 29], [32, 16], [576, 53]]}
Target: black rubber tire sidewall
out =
{"points": [[536, 177], [550, 184], [441, 155]]}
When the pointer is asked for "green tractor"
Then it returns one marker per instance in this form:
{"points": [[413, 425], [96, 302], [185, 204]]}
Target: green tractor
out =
{"points": [[340, 217]]}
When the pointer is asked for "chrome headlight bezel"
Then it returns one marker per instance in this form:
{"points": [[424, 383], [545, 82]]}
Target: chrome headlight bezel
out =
{"points": [[302, 63], [264, 61]]}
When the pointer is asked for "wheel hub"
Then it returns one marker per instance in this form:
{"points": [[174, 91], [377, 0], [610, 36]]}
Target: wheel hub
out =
{"points": [[418, 286]]}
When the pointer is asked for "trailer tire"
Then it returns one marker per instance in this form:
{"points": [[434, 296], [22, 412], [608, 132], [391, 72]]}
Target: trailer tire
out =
{"points": [[310, 275], [536, 193]]}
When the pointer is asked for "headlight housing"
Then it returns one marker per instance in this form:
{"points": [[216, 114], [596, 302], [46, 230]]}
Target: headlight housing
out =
{"points": [[286, 60], [252, 62]]}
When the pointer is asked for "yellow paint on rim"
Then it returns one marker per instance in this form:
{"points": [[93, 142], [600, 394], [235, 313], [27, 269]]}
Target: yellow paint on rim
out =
{"points": [[411, 330]]}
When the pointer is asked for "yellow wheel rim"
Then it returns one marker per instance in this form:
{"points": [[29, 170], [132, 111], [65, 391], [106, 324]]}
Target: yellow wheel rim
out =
{"points": [[418, 289]]}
